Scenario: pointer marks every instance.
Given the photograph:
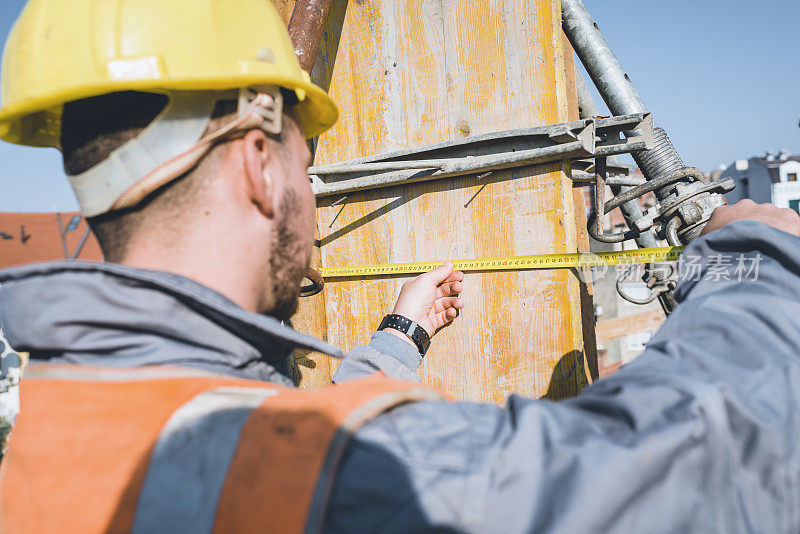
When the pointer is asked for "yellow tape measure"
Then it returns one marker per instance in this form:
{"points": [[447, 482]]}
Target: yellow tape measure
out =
{"points": [[515, 263]]}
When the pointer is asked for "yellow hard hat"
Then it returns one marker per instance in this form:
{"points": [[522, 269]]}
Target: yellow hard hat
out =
{"points": [[65, 50]]}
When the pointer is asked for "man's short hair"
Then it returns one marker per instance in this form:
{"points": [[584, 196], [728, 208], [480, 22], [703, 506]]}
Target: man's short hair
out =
{"points": [[93, 128]]}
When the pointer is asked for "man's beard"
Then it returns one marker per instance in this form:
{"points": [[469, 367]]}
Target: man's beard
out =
{"points": [[288, 260]]}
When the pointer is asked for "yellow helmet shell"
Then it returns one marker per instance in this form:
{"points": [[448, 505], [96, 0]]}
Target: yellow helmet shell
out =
{"points": [[60, 51]]}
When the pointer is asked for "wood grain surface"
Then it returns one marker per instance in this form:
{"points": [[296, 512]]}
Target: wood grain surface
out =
{"points": [[409, 73]]}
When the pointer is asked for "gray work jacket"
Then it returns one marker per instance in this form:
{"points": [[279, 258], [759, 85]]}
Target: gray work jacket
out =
{"points": [[699, 434]]}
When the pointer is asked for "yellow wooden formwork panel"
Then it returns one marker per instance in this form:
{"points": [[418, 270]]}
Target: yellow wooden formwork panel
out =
{"points": [[409, 73]]}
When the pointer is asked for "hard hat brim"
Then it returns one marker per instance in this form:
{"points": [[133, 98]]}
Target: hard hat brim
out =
{"points": [[24, 122]]}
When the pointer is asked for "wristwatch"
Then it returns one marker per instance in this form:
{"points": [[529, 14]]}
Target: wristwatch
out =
{"points": [[414, 331]]}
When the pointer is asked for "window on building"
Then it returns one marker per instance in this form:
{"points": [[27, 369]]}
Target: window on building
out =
{"points": [[795, 204], [791, 177]]}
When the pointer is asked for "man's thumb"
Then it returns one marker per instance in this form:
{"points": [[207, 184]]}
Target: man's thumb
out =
{"points": [[440, 274]]}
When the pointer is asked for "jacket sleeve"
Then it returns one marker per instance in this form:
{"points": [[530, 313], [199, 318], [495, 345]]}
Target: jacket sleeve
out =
{"points": [[386, 353], [699, 434]]}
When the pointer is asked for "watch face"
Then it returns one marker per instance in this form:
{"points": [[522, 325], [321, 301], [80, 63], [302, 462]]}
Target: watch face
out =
{"points": [[422, 339]]}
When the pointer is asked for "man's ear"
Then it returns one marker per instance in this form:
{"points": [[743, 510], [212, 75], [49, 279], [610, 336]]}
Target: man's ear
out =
{"points": [[259, 167]]}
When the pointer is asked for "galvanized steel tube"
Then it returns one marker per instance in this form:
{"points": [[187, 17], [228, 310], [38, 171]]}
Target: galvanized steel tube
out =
{"points": [[615, 87], [602, 65], [631, 210]]}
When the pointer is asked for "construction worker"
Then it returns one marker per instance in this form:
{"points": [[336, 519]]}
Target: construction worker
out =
{"points": [[159, 400]]}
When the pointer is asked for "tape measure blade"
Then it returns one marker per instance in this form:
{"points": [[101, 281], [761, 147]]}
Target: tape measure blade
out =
{"points": [[512, 263]]}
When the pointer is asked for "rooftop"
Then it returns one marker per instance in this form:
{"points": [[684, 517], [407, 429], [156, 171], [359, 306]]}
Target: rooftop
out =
{"points": [[36, 237]]}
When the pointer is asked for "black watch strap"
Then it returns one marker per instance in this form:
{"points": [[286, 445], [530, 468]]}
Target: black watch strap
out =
{"points": [[405, 325]]}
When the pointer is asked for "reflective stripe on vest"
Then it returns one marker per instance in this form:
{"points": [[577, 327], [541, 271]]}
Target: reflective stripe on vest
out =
{"points": [[98, 450], [191, 459]]}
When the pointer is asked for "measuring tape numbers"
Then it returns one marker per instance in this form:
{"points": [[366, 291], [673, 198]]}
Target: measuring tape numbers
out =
{"points": [[515, 263]]}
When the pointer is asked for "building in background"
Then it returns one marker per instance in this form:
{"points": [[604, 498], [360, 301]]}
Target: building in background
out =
{"points": [[36, 237], [771, 178]]}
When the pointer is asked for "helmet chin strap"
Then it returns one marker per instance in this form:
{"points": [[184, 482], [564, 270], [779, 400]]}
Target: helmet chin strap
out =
{"points": [[172, 145]]}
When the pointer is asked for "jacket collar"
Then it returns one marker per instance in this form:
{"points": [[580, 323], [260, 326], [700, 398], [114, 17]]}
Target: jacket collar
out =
{"points": [[111, 315]]}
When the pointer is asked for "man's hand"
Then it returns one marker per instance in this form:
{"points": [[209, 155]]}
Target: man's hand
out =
{"points": [[431, 299], [785, 219]]}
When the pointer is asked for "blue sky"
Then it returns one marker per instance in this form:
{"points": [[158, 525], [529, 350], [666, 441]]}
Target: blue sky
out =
{"points": [[721, 76]]}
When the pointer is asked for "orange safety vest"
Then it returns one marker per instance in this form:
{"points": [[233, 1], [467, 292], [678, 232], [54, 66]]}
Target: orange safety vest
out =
{"points": [[164, 449]]}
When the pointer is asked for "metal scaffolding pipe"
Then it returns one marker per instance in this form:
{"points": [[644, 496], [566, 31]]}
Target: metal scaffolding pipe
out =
{"points": [[631, 210], [602, 65], [615, 87], [306, 28]]}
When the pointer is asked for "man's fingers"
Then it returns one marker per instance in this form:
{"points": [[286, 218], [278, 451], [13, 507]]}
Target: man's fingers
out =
{"points": [[440, 274], [783, 219], [449, 288], [444, 317], [448, 302], [455, 276]]}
